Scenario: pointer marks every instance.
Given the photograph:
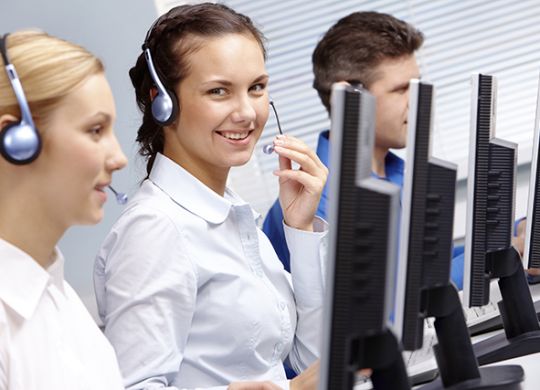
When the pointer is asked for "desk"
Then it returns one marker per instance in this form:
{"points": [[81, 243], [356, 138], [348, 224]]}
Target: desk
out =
{"points": [[530, 363], [531, 366]]}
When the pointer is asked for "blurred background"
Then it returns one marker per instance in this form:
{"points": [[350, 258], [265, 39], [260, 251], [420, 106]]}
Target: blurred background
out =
{"points": [[493, 37]]}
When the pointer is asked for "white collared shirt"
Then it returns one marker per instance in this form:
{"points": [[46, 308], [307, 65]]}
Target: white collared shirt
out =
{"points": [[193, 295], [48, 340]]}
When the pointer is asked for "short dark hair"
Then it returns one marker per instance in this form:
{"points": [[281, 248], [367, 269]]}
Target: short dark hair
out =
{"points": [[172, 38], [355, 45]]}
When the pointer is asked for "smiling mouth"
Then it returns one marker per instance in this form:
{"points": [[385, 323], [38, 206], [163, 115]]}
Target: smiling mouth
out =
{"points": [[235, 135]]}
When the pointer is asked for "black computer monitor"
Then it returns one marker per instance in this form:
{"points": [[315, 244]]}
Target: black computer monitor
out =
{"points": [[490, 192], [363, 217], [427, 219], [425, 251], [488, 247], [531, 253]]}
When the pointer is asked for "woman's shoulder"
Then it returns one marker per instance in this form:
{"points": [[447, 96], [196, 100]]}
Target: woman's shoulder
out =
{"points": [[151, 226], [150, 206]]}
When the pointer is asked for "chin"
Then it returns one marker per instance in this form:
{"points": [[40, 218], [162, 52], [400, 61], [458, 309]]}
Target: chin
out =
{"points": [[240, 159], [92, 218], [239, 163]]}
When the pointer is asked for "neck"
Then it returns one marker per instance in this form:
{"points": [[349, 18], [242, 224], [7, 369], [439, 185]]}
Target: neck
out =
{"points": [[28, 229], [378, 161], [214, 178]]}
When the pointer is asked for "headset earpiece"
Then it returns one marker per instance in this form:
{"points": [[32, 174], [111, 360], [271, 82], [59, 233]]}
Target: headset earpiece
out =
{"points": [[165, 103], [20, 142], [164, 107]]}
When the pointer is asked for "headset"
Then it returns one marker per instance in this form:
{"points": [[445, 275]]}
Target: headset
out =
{"points": [[20, 142], [165, 103]]}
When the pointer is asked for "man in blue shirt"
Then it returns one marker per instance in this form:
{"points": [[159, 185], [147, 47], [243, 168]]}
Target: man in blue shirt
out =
{"points": [[378, 51]]}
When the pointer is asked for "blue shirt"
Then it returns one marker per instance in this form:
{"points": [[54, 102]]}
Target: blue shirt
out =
{"points": [[394, 167]]}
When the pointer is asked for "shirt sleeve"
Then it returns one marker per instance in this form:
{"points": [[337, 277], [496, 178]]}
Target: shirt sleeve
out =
{"points": [[146, 290], [308, 271]]}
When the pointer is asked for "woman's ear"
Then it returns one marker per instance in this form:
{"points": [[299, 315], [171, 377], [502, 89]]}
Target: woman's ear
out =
{"points": [[7, 119]]}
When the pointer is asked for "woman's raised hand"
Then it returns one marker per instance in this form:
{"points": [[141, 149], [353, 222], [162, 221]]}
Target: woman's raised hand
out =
{"points": [[299, 189]]}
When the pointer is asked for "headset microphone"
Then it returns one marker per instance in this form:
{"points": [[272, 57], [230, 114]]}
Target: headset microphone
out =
{"points": [[269, 148], [121, 198]]}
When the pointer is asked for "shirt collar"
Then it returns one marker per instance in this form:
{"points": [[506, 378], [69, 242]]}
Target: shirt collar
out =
{"points": [[190, 193], [23, 281], [394, 167]]}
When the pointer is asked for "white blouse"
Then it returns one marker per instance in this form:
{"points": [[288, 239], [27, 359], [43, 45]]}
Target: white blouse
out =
{"points": [[48, 340], [193, 295]]}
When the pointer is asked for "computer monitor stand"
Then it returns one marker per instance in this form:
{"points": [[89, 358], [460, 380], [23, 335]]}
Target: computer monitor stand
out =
{"points": [[383, 354], [454, 352], [521, 328]]}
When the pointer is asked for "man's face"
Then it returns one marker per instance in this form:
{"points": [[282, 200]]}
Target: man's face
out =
{"points": [[391, 89]]}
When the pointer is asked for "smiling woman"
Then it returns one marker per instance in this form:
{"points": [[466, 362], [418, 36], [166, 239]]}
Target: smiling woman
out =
{"points": [[191, 292], [223, 111], [47, 339]]}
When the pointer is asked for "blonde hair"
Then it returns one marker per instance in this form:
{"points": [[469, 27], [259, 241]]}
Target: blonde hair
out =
{"points": [[49, 68]]}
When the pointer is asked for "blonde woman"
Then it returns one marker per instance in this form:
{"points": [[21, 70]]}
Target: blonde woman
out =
{"points": [[59, 152]]}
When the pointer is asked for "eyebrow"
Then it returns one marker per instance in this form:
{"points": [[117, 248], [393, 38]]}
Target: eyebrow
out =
{"points": [[99, 116], [227, 83]]}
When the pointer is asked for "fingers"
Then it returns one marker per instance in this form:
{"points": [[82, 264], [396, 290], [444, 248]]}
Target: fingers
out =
{"points": [[294, 149], [253, 386], [534, 271], [366, 372], [312, 184]]}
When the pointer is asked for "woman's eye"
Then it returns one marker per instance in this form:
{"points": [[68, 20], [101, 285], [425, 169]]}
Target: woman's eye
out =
{"points": [[96, 131], [217, 91], [258, 87], [403, 90]]}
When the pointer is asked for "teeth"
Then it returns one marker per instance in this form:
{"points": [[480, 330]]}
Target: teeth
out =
{"points": [[235, 135]]}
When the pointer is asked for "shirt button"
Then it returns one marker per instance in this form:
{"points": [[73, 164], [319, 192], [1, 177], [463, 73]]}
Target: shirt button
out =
{"points": [[282, 305]]}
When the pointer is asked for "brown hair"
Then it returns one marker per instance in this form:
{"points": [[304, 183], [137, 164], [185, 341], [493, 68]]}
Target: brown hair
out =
{"points": [[171, 39], [49, 69], [353, 47]]}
